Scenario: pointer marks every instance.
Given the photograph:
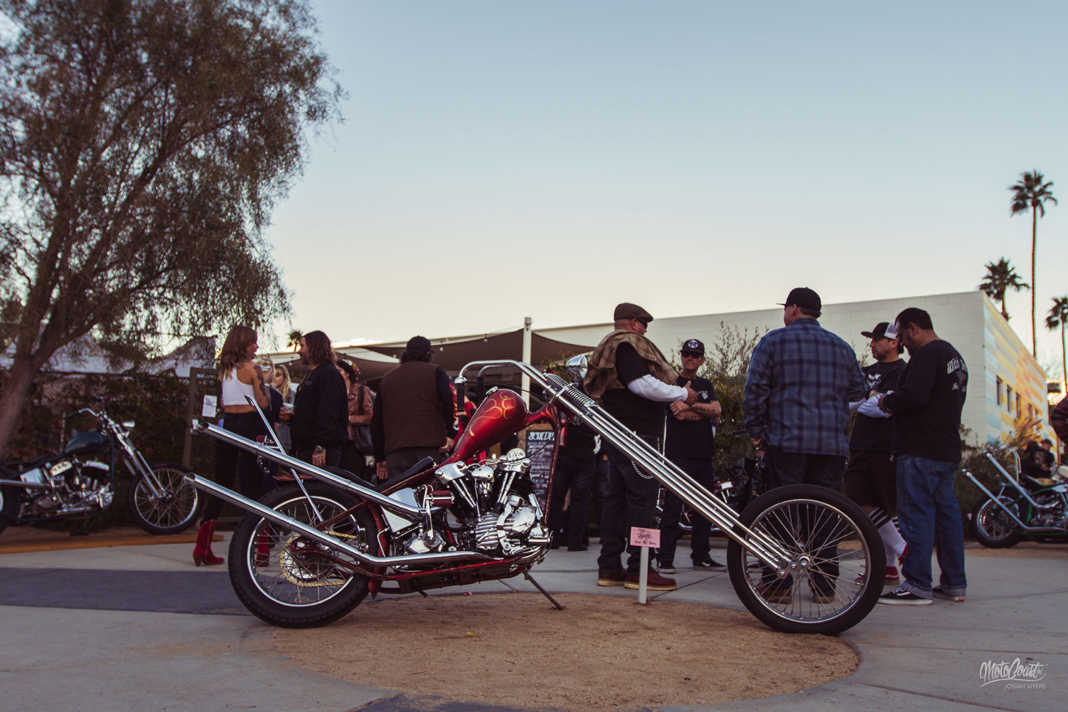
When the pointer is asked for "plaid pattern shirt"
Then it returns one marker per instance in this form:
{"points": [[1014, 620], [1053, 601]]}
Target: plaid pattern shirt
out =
{"points": [[801, 380]]}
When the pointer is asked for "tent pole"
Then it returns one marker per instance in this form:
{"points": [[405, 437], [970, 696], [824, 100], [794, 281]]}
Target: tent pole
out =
{"points": [[527, 358]]}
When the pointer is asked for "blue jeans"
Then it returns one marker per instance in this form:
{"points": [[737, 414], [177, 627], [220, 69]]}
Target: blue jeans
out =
{"points": [[929, 516]]}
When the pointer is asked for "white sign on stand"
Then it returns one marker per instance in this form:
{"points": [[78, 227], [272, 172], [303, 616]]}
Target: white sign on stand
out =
{"points": [[646, 539], [209, 407]]}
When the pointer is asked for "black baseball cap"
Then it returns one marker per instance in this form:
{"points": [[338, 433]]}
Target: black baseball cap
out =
{"points": [[418, 346], [693, 346], [805, 298], [879, 331]]}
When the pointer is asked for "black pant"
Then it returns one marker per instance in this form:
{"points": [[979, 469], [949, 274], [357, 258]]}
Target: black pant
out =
{"points": [[628, 499], [704, 472], [230, 461], [353, 460], [399, 461], [787, 468], [577, 475]]}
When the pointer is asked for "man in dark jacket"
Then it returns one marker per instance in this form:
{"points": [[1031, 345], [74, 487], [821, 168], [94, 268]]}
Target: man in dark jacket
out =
{"points": [[320, 409], [413, 414], [927, 407]]}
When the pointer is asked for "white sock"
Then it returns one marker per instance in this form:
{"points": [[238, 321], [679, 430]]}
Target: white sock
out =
{"points": [[893, 542]]}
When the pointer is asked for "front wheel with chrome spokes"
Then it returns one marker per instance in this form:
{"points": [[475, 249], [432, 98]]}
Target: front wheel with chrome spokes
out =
{"points": [[834, 565], [285, 578]]}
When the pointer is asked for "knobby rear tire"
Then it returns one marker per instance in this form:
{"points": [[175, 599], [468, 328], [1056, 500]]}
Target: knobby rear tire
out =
{"points": [[278, 575], [781, 513]]}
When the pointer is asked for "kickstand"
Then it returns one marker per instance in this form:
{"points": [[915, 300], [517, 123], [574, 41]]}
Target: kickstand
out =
{"points": [[528, 577]]}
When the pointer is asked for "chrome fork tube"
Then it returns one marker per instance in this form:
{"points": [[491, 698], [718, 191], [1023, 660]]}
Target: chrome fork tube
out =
{"points": [[322, 537], [415, 513], [1016, 485], [764, 547]]}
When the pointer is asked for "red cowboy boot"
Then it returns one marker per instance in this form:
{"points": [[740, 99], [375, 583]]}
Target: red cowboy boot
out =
{"points": [[202, 555]]}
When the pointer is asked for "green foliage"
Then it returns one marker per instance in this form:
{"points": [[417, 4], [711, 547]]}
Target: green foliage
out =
{"points": [[726, 366], [144, 144]]}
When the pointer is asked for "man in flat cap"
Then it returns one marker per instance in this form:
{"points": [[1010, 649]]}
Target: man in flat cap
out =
{"points": [[413, 414], [870, 479], [634, 381], [801, 381]]}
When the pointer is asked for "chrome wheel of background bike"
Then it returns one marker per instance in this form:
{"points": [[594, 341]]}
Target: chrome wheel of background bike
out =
{"points": [[289, 580], [994, 528], [837, 562], [173, 510]]}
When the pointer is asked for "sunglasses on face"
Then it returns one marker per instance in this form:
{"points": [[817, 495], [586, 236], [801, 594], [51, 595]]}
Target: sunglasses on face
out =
{"points": [[643, 322], [691, 354]]}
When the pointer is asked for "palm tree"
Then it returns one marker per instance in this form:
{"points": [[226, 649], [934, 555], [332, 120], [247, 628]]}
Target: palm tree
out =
{"points": [[1032, 193], [999, 278], [294, 339], [1057, 317]]}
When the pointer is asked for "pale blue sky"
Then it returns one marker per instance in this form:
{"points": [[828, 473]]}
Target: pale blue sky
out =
{"points": [[503, 159]]}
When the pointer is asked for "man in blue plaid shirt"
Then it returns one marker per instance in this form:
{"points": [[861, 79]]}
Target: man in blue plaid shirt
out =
{"points": [[797, 394]]}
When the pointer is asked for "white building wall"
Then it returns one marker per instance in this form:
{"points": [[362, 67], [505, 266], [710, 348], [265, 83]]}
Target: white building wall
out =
{"points": [[963, 319]]}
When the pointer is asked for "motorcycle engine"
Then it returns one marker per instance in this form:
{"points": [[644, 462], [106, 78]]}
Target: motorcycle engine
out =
{"points": [[495, 509], [75, 488]]}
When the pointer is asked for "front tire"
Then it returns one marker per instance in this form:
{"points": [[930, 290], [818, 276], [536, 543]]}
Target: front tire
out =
{"points": [[287, 580], [172, 513], [839, 559], [994, 528]]}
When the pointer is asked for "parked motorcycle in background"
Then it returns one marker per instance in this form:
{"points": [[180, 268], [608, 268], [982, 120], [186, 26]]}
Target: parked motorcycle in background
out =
{"points": [[1024, 507], [80, 482]]}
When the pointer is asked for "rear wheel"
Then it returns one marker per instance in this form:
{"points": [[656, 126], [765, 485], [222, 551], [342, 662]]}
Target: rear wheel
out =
{"points": [[173, 510], [836, 563], [289, 580], [994, 528], [8, 506]]}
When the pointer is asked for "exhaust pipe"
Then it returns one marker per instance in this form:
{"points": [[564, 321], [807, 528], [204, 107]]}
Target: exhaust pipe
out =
{"points": [[228, 495]]}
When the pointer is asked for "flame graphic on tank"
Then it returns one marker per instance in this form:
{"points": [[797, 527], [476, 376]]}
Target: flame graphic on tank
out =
{"points": [[501, 414]]}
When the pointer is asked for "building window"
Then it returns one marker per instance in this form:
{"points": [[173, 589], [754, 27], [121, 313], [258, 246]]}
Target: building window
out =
{"points": [[998, 382], [1030, 412], [1008, 398], [1017, 405]]}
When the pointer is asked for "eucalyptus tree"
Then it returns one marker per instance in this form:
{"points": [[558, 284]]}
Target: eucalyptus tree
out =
{"points": [[143, 144], [1032, 193], [999, 278]]}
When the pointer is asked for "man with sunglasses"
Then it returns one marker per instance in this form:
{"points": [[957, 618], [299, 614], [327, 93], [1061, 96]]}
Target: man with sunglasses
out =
{"points": [[690, 445], [634, 381]]}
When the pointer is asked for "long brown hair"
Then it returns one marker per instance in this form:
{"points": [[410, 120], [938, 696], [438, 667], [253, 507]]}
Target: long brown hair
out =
{"points": [[319, 351], [235, 348]]}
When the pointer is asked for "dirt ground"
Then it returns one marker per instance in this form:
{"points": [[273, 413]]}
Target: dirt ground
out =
{"points": [[601, 652]]}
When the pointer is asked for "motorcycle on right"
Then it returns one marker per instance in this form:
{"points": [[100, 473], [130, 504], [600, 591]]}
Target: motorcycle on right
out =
{"points": [[1024, 507]]}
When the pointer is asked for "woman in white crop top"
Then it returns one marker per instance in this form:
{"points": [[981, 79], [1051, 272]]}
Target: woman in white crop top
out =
{"points": [[240, 379]]}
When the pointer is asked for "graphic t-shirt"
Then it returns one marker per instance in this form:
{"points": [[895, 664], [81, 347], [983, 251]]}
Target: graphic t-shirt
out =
{"points": [[877, 434], [928, 403], [692, 438]]}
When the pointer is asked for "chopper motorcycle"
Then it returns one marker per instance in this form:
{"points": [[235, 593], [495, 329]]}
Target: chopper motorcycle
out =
{"points": [[76, 484], [1027, 507], [309, 552]]}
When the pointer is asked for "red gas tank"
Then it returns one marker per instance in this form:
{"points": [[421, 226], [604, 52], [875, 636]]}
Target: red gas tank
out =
{"points": [[501, 414]]}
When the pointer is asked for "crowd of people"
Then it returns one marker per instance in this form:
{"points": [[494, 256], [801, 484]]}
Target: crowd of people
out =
{"points": [[803, 384]]}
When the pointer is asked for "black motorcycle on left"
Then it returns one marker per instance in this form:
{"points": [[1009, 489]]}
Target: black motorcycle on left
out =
{"points": [[80, 482]]}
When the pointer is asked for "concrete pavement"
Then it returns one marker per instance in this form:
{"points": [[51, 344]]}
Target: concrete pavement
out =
{"points": [[139, 628]]}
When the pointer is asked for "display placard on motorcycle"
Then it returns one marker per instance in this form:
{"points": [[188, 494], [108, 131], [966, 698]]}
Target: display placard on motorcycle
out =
{"points": [[641, 536]]}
